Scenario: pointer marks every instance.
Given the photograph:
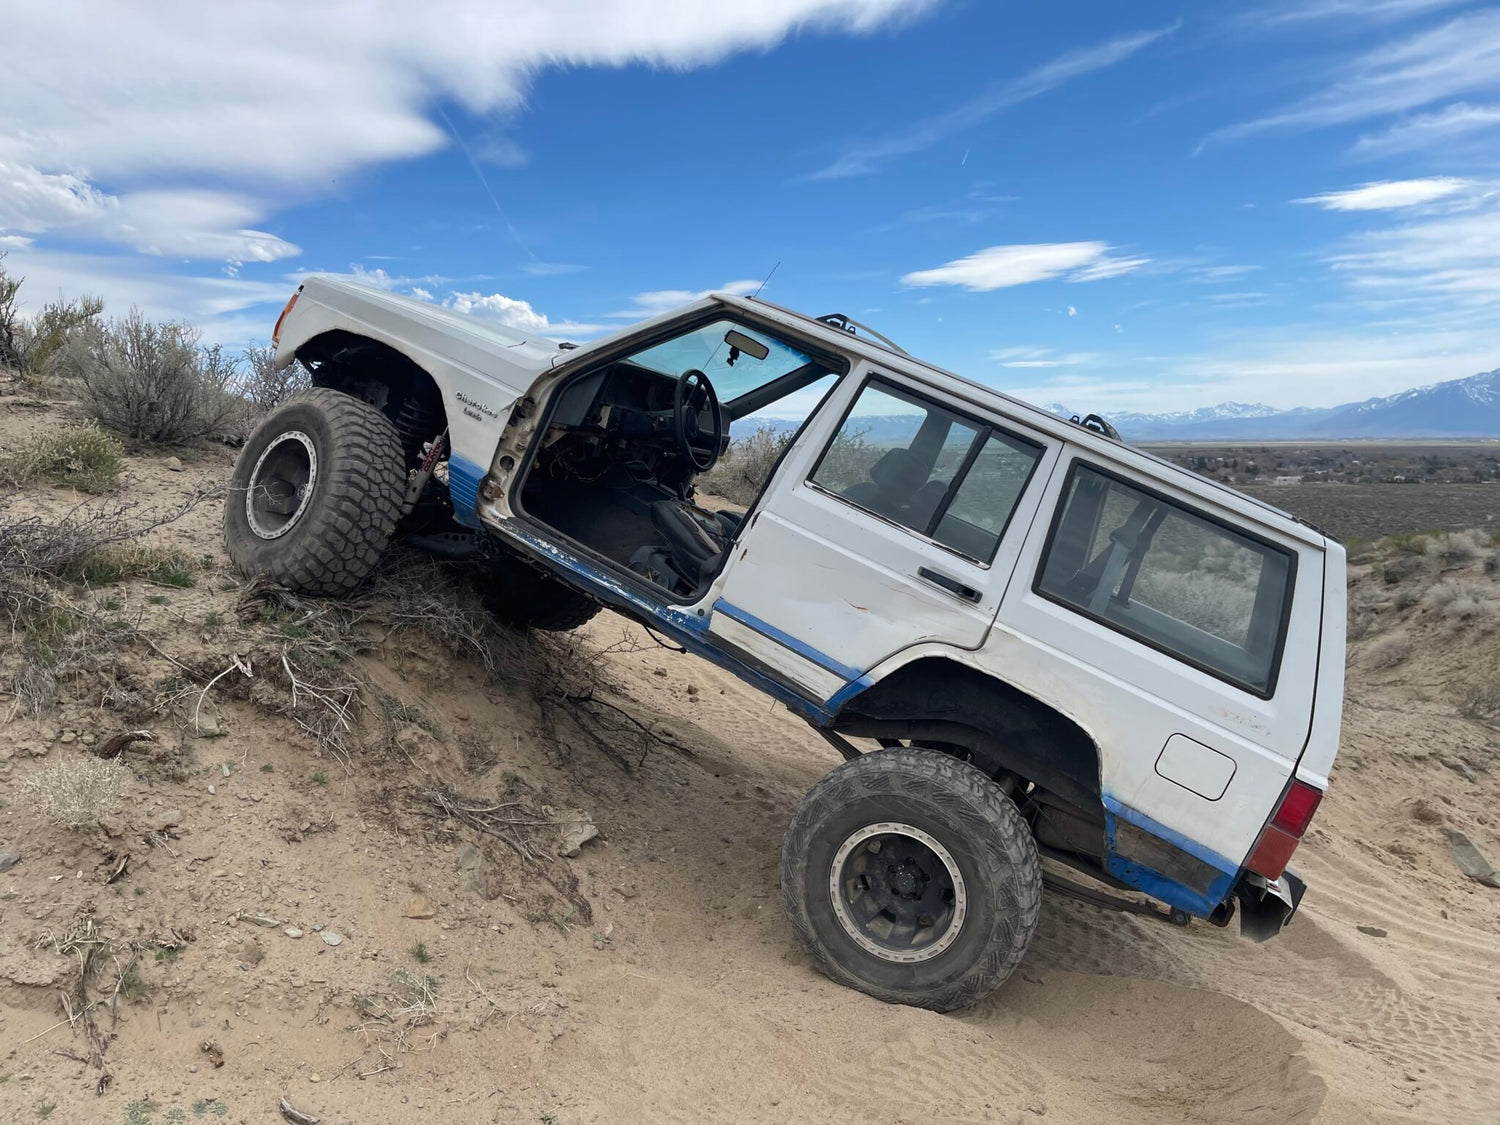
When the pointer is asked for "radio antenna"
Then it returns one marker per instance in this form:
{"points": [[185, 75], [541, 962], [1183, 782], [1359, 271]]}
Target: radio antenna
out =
{"points": [[770, 275]]}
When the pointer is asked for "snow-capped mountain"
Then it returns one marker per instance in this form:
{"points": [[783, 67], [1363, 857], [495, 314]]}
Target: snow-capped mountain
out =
{"points": [[1456, 408]]}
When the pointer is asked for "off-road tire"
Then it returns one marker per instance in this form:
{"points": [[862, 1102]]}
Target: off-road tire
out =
{"points": [[972, 818], [356, 496], [519, 594]]}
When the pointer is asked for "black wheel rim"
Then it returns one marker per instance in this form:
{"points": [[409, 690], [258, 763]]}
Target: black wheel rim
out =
{"points": [[898, 892], [281, 484]]}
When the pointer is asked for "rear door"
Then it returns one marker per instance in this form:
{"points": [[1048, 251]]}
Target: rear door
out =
{"points": [[894, 520], [1182, 637]]}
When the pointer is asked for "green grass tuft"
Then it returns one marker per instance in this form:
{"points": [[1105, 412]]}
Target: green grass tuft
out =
{"points": [[80, 455]]}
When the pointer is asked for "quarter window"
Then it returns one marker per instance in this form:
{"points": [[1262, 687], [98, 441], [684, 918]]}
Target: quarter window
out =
{"points": [[1172, 577], [941, 474]]}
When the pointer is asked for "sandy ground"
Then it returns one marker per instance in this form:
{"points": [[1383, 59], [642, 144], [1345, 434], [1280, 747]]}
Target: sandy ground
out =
{"points": [[678, 994]]}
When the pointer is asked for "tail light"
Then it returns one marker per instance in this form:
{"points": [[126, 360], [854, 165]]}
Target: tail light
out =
{"points": [[1279, 839], [276, 332]]}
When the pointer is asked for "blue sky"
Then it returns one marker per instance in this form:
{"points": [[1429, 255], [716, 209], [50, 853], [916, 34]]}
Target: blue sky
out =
{"points": [[1115, 206]]}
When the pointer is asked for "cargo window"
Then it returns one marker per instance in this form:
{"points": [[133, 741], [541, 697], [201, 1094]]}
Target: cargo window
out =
{"points": [[1174, 578], [947, 476]]}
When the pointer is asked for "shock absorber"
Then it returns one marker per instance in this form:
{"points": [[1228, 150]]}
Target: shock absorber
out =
{"points": [[416, 421]]}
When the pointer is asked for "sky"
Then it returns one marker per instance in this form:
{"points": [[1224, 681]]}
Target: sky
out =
{"points": [[1113, 206]]}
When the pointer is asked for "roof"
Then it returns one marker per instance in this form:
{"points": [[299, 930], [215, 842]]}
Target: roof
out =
{"points": [[1032, 416]]}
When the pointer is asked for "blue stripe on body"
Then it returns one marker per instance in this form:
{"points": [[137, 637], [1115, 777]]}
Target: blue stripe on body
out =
{"points": [[1155, 884], [463, 487], [687, 629], [801, 648]]}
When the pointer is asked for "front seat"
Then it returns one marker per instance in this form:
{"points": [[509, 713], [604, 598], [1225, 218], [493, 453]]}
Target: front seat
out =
{"points": [[894, 480], [695, 537]]}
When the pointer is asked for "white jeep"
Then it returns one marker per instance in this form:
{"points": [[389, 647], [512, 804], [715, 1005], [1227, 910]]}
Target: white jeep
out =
{"points": [[1064, 647]]}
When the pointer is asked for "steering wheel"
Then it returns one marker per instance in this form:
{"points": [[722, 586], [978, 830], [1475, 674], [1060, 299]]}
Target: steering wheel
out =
{"points": [[685, 418]]}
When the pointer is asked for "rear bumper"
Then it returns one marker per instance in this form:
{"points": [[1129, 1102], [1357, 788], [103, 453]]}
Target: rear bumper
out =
{"points": [[1267, 907]]}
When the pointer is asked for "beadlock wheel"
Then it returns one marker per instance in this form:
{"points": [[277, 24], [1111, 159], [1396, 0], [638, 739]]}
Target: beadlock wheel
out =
{"points": [[911, 876], [897, 892], [316, 493], [281, 484]]}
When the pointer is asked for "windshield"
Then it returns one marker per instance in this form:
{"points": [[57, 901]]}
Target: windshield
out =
{"points": [[732, 371]]}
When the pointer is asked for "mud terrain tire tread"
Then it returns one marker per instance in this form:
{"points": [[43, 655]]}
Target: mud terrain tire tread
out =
{"points": [[973, 818], [519, 594], [356, 501]]}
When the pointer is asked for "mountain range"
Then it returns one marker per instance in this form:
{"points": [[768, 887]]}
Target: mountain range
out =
{"points": [[1458, 408]]}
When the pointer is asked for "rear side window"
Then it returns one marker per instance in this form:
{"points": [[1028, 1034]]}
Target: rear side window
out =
{"points": [[1171, 577], [947, 476]]}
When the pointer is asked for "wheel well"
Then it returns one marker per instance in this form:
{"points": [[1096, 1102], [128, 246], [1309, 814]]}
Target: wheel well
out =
{"points": [[1003, 730], [383, 377]]}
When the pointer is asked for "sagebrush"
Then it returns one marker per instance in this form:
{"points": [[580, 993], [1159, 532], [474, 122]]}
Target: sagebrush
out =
{"points": [[1388, 651], [153, 383], [34, 347], [745, 465], [263, 386]]}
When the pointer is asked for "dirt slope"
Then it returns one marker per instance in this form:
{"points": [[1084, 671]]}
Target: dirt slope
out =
{"points": [[666, 986]]}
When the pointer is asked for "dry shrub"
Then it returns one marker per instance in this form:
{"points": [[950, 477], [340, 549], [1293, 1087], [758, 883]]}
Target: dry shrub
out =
{"points": [[1457, 600], [52, 638], [80, 456], [10, 318], [1388, 651], [1480, 699], [1410, 542], [742, 471], [1399, 569], [153, 383], [75, 792], [1457, 547], [262, 385], [35, 347]]}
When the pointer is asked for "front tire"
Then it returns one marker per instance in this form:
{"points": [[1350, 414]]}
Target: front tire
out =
{"points": [[912, 877], [316, 493]]}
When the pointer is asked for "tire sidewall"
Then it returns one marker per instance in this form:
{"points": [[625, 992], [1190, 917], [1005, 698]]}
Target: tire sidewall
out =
{"points": [[996, 867], [252, 552]]}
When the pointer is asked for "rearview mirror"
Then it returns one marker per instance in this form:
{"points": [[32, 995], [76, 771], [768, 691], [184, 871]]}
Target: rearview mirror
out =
{"points": [[746, 344]]}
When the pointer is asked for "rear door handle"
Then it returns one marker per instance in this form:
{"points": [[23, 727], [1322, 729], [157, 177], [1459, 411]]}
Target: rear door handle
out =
{"points": [[952, 585]]}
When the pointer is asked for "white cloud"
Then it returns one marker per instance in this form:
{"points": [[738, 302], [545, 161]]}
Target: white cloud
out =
{"points": [[1002, 266], [181, 223], [15, 242], [1401, 75], [114, 116], [658, 301], [1219, 274], [864, 157], [1357, 11], [1072, 310], [549, 269], [517, 314], [1445, 262], [1388, 194], [1425, 130], [1040, 357], [502, 152], [229, 310]]}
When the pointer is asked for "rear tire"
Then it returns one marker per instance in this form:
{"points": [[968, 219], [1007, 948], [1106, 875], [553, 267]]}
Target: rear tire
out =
{"points": [[519, 594], [316, 493], [912, 877]]}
